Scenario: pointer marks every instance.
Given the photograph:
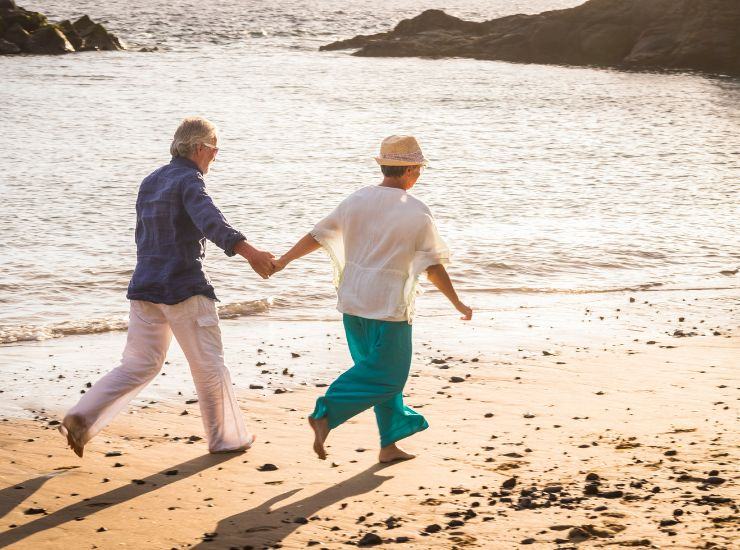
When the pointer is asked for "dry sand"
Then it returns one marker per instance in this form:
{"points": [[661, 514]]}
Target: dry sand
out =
{"points": [[554, 424]]}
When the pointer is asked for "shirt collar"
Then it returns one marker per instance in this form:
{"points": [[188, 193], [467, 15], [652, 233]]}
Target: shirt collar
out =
{"points": [[182, 161]]}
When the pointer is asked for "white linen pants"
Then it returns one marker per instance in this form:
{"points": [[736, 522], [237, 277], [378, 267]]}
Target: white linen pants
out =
{"points": [[194, 322]]}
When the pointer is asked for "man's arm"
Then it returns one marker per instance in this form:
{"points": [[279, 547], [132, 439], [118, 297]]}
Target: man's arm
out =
{"points": [[305, 246], [211, 222], [437, 274]]}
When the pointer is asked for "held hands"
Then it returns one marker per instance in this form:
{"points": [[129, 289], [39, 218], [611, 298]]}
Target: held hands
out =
{"points": [[261, 261], [280, 264]]}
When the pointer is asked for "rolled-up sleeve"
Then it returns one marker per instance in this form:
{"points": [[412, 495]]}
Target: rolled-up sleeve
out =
{"points": [[207, 217]]}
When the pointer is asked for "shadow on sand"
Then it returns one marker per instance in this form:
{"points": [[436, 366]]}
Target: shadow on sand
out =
{"points": [[12, 496], [8, 499], [261, 527]]}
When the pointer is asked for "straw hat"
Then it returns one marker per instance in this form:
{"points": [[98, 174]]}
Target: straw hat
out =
{"points": [[400, 151]]}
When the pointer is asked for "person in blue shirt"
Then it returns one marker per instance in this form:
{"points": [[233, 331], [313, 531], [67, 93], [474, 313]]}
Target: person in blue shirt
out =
{"points": [[170, 295]]}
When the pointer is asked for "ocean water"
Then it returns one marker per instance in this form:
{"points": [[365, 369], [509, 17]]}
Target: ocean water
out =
{"points": [[544, 179]]}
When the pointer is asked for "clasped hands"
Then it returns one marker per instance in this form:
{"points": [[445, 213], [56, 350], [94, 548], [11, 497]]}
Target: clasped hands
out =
{"points": [[264, 263]]}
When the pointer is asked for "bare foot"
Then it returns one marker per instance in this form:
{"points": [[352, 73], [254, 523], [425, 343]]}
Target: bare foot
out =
{"points": [[391, 453], [73, 429], [320, 428]]}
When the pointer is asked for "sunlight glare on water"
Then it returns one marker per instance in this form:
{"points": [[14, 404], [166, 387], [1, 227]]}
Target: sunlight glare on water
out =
{"points": [[543, 178]]}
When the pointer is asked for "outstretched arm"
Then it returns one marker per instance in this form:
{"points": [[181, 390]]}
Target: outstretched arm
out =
{"points": [[438, 276], [211, 222], [306, 245]]}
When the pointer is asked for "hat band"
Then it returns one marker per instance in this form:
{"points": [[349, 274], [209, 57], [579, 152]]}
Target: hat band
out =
{"points": [[415, 157]]}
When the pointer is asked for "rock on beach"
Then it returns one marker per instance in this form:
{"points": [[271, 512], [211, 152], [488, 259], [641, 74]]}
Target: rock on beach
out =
{"points": [[626, 34], [30, 32]]}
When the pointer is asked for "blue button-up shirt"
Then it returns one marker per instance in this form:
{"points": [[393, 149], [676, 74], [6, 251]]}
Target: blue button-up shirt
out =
{"points": [[174, 217]]}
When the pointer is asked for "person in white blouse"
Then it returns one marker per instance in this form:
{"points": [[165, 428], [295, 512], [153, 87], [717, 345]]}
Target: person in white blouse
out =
{"points": [[380, 239]]}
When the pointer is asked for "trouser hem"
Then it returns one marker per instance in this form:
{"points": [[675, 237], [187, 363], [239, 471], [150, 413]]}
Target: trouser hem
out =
{"points": [[402, 433]]}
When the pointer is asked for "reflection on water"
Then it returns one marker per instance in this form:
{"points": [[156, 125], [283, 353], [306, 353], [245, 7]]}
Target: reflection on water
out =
{"points": [[542, 178]]}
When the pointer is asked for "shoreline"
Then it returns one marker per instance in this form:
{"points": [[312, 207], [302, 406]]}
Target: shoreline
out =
{"points": [[603, 400]]}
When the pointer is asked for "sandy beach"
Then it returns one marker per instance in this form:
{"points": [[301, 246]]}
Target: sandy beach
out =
{"points": [[556, 422]]}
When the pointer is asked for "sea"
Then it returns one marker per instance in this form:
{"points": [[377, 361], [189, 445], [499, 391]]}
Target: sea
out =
{"points": [[543, 179]]}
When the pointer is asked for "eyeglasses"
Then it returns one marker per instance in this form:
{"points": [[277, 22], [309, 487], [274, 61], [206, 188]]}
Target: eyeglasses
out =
{"points": [[215, 149]]}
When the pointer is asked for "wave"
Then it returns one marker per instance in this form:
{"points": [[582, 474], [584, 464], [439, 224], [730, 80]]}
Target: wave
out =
{"points": [[37, 333]]}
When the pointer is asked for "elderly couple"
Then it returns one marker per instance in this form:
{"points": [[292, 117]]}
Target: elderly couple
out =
{"points": [[380, 239]]}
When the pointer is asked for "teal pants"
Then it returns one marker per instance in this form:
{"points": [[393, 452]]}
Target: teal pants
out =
{"points": [[381, 351]]}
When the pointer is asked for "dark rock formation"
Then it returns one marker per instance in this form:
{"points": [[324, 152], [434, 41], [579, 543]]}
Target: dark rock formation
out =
{"points": [[631, 34], [18, 36], [48, 40], [94, 36], [8, 47], [23, 31], [71, 33]]}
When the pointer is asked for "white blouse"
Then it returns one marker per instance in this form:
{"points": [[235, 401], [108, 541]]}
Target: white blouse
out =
{"points": [[380, 239]]}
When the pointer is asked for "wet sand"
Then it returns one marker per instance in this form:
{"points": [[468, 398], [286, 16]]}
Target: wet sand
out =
{"points": [[591, 421]]}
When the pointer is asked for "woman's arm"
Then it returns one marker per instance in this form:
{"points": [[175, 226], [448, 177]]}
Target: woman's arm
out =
{"points": [[438, 276], [305, 246]]}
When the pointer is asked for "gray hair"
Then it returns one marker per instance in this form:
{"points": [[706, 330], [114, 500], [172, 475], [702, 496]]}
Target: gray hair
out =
{"points": [[191, 132]]}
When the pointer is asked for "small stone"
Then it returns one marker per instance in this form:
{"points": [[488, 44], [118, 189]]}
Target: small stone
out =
{"points": [[433, 528], [171, 472], [113, 453], [577, 534], [528, 541], [255, 387], [369, 539], [509, 484], [457, 379], [668, 522], [101, 530], [294, 354], [34, 511], [267, 468]]}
